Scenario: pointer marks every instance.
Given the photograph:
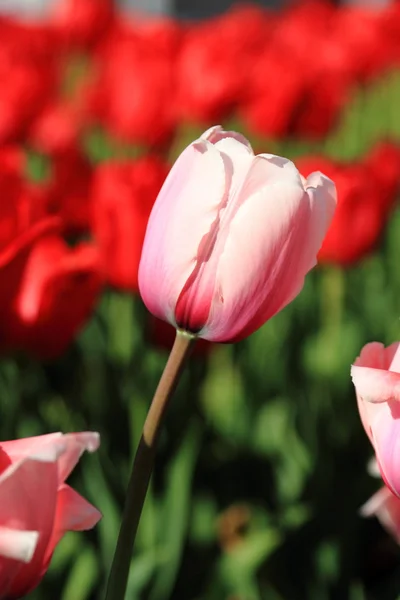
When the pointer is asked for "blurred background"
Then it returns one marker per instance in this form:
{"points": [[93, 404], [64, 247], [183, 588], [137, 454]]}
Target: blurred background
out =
{"points": [[262, 462]]}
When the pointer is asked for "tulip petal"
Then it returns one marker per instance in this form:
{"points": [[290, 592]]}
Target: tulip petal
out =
{"points": [[322, 193], [18, 544], [372, 355], [24, 447], [272, 243], [376, 385], [384, 421], [386, 507], [28, 494], [76, 444], [66, 448], [73, 513], [191, 195], [216, 134]]}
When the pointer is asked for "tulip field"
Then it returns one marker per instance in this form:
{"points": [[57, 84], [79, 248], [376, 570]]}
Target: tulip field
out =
{"points": [[275, 463]]}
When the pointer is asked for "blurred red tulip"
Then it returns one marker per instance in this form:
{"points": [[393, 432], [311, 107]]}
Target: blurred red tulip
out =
{"points": [[215, 61], [82, 23], [67, 193], [123, 195], [48, 290], [133, 96], [28, 75], [56, 129], [367, 192], [57, 293], [268, 108]]}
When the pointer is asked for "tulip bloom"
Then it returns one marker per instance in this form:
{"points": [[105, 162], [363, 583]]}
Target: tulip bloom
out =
{"points": [[231, 237], [37, 507], [123, 194], [376, 377]]}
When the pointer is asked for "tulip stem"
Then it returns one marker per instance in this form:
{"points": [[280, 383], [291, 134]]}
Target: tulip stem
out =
{"points": [[143, 466]]}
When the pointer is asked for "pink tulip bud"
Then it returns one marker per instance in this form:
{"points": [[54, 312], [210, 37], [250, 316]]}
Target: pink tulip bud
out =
{"points": [[231, 237], [376, 377]]}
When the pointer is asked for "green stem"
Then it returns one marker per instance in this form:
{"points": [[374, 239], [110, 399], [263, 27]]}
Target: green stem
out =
{"points": [[143, 466]]}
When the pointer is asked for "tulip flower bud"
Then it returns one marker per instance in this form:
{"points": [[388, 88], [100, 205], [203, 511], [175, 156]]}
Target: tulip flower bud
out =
{"points": [[231, 237]]}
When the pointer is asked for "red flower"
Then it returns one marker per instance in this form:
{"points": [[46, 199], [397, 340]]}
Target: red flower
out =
{"points": [[82, 23], [366, 194], [18, 211], [47, 289], [67, 193], [214, 63], [122, 198], [28, 76], [383, 162], [56, 129], [361, 34], [133, 96], [269, 108], [57, 292]]}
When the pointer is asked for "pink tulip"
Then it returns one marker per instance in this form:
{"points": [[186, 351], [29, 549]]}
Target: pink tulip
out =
{"points": [[37, 507], [231, 237], [376, 377]]}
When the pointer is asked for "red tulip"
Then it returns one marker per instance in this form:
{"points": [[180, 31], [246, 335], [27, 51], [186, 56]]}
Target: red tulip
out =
{"points": [[366, 195], [133, 96], [82, 23], [215, 61], [37, 506], [57, 129], [28, 76], [57, 292], [67, 193], [123, 195]]}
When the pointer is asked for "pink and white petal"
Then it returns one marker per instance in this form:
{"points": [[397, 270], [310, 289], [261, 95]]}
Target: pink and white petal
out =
{"points": [[373, 468], [323, 198], [366, 411], [24, 447], [372, 355], [272, 242], [216, 134], [392, 357], [182, 216], [18, 544], [73, 513], [376, 385], [75, 445], [28, 496], [257, 268], [270, 169], [386, 507], [384, 421]]}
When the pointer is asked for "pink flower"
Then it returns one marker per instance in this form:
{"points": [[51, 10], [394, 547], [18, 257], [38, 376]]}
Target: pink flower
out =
{"points": [[376, 377], [386, 507], [231, 237], [37, 507]]}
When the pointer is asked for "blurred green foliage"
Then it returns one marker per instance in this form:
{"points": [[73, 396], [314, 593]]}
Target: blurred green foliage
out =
{"points": [[262, 462]]}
